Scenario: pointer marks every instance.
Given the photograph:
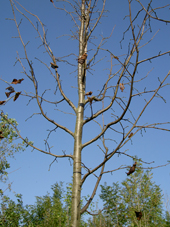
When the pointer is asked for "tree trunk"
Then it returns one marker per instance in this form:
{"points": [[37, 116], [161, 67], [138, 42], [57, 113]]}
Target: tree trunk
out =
{"points": [[76, 190]]}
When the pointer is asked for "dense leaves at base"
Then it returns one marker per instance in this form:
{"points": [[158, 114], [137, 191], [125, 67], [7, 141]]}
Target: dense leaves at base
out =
{"points": [[136, 193], [47, 210], [167, 219]]}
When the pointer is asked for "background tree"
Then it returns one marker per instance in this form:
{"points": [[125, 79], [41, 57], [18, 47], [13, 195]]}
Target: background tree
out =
{"points": [[11, 211], [167, 219], [167, 210], [8, 147], [48, 210], [106, 112], [137, 193], [120, 201]]}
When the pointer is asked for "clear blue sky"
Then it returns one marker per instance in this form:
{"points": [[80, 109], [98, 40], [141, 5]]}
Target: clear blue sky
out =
{"points": [[33, 177]]}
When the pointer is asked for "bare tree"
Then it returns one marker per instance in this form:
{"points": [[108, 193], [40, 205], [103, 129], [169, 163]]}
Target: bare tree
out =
{"points": [[108, 105]]}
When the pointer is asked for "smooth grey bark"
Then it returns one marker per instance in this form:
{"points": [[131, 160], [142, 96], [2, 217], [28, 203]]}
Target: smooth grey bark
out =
{"points": [[76, 190]]}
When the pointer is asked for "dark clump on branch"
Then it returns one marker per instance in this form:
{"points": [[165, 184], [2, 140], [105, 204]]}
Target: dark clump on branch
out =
{"points": [[132, 169], [131, 134], [17, 95], [2, 102], [82, 59], [89, 93], [138, 215], [15, 81], [10, 89], [54, 66], [122, 87], [8, 93]]}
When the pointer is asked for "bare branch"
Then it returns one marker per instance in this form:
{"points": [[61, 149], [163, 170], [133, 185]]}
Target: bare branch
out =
{"points": [[149, 13], [156, 56], [31, 145]]}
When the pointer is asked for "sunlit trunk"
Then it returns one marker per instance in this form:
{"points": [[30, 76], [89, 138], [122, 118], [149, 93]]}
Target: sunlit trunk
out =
{"points": [[76, 191]]}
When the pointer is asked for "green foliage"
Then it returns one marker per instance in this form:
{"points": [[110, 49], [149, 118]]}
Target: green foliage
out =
{"points": [[47, 211], [167, 219], [11, 212], [67, 200], [99, 221], [136, 193], [8, 145], [141, 194], [116, 210]]}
